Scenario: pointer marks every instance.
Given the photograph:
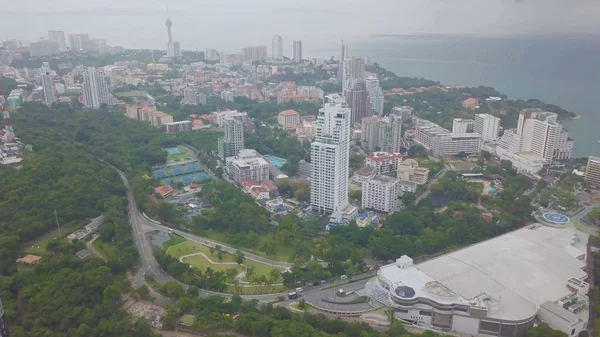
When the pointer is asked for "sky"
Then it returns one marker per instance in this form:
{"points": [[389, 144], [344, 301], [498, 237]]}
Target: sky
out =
{"points": [[227, 25]]}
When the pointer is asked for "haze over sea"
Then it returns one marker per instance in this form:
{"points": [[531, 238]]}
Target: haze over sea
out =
{"points": [[561, 70]]}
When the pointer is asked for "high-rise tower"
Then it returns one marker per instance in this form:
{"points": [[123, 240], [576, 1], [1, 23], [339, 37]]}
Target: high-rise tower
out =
{"points": [[277, 48], [343, 55], [170, 49], [330, 153], [47, 84], [95, 89], [297, 51]]}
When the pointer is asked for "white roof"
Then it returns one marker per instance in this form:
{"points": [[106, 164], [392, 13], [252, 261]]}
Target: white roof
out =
{"points": [[519, 271]]}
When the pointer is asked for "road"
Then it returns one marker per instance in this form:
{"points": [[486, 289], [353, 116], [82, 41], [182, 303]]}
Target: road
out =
{"points": [[141, 225], [208, 242]]}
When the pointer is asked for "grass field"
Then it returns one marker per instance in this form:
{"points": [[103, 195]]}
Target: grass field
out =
{"points": [[184, 155], [175, 240], [106, 249], [200, 262], [283, 253]]}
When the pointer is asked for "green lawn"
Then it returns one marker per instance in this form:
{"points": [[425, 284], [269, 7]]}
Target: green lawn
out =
{"points": [[202, 263], [283, 253], [198, 261], [105, 249], [175, 240]]}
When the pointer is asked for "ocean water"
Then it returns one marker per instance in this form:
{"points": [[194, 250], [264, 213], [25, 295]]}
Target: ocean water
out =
{"points": [[559, 70]]}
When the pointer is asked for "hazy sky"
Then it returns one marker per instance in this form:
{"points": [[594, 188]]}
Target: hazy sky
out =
{"points": [[229, 24]]}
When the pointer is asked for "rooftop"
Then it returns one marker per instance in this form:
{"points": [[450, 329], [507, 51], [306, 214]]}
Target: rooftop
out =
{"points": [[383, 180], [511, 275], [289, 113]]}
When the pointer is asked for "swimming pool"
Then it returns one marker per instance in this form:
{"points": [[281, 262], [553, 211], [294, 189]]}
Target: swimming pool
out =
{"points": [[275, 161]]}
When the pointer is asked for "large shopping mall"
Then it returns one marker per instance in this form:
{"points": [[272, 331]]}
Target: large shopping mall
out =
{"points": [[498, 287]]}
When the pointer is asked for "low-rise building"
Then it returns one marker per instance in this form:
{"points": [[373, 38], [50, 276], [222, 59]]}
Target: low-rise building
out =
{"points": [[181, 126], [363, 174], [409, 170], [157, 67], [522, 162], [288, 119], [148, 113], [592, 171], [470, 103], [380, 193], [247, 165], [384, 163], [443, 143]]}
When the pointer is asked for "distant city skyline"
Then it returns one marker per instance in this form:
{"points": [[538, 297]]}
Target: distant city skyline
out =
{"points": [[137, 24]]}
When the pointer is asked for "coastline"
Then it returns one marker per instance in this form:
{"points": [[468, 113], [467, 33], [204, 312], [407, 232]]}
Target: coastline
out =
{"points": [[577, 117]]}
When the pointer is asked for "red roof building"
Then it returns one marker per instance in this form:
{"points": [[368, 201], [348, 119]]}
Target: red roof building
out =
{"points": [[163, 190], [29, 259]]}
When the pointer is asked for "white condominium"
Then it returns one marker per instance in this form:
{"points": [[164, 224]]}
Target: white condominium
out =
{"points": [[375, 94], [277, 48], [223, 115], [254, 53], [247, 164], [380, 193], [443, 143], [79, 42], [48, 84], [297, 51], [95, 89], [330, 153], [460, 125], [58, 36], [487, 126], [539, 134]]}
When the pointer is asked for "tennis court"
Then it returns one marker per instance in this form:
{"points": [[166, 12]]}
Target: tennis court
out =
{"points": [[275, 161], [176, 154]]}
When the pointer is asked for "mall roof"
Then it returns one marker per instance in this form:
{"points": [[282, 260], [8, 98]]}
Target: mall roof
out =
{"points": [[518, 271]]}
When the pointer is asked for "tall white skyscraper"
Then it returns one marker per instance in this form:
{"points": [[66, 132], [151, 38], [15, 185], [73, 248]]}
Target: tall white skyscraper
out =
{"points": [[277, 48], [487, 126], [48, 84], [297, 51], [375, 94], [58, 36], [354, 68], [79, 42], [95, 89], [343, 55], [330, 153], [170, 47]]}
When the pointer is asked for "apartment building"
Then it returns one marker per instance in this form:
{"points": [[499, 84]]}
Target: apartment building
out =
{"points": [[380, 193], [384, 163], [247, 165], [409, 170]]}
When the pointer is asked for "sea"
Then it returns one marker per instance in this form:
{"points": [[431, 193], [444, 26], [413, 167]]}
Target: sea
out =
{"points": [[562, 70]]}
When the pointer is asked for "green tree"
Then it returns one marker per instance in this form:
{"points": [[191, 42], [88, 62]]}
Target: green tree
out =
{"points": [[239, 257]]}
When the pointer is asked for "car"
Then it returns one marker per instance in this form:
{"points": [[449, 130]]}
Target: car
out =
{"points": [[292, 295], [343, 277], [298, 290], [315, 283]]}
